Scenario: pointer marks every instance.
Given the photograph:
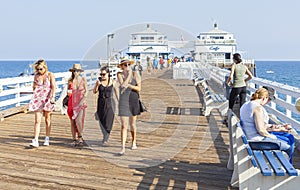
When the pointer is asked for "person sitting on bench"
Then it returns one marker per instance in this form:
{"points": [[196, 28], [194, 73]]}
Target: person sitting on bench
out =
{"points": [[255, 123]]}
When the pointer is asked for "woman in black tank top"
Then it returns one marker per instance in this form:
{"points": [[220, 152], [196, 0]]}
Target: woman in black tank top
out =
{"points": [[105, 104]]}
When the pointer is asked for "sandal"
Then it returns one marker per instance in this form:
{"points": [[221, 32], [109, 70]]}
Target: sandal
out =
{"points": [[73, 143], [80, 141]]}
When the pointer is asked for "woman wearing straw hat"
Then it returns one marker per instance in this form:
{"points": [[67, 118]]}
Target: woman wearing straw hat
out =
{"points": [[42, 100], [77, 104], [130, 86]]}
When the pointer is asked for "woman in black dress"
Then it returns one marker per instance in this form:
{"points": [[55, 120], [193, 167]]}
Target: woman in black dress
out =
{"points": [[130, 86], [105, 105]]}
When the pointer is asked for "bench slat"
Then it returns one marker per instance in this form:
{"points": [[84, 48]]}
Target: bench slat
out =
{"points": [[245, 140], [278, 170], [286, 164], [264, 168]]}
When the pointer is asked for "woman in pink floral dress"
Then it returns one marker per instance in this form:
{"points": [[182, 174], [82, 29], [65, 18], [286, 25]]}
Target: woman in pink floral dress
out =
{"points": [[42, 100], [77, 104]]}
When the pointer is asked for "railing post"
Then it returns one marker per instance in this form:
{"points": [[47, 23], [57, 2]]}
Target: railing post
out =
{"points": [[288, 100], [18, 95]]}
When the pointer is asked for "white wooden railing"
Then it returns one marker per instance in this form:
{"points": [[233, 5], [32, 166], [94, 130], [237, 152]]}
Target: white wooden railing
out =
{"points": [[285, 94], [17, 91]]}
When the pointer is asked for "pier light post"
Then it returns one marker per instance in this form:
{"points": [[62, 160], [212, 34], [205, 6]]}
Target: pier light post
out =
{"points": [[108, 48]]}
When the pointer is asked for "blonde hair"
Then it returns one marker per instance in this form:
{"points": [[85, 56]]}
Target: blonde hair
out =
{"points": [[260, 93], [40, 62]]}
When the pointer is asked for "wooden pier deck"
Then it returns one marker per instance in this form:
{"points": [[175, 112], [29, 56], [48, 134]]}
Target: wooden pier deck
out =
{"points": [[177, 148]]}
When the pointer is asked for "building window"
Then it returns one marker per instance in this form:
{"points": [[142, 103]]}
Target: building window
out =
{"points": [[147, 38], [217, 37]]}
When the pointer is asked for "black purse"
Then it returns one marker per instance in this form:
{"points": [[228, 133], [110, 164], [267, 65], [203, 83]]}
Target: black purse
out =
{"points": [[65, 101], [143, 107]]}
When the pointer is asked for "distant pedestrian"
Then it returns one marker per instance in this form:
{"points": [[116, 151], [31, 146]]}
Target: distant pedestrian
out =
{"points": [[138, 67], [237, 74], [169, 61], [106, 87], [130, 86], [155, 63], [77, 103], [161, 63], [175, 60], [149, 65], [42, 100]]}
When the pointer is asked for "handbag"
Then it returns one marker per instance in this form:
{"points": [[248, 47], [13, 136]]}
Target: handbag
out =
{"points": [[65, 101], [96, 116], [143, 108]]}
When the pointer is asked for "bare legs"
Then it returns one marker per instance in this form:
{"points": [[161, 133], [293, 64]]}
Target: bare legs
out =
{"points": [[73, 131], [132, 122], [79, 123], [37, 124], [37, 127], [48, 122], [124, 125]]}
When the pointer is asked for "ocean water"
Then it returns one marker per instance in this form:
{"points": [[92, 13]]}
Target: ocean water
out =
{"points": [[15, 68], [286, 72]]}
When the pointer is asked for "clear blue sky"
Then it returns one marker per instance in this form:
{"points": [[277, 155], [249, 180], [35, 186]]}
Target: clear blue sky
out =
{"points": [[66, 29]]}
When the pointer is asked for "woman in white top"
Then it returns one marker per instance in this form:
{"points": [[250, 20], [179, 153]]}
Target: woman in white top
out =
{"points": [[255, 121]]}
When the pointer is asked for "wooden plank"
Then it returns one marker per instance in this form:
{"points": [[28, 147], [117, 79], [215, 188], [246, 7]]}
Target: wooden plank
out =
{"points": [[201, 159], [12, 111]]}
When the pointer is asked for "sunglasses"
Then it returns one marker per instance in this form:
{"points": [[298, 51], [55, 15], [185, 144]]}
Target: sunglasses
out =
{"points": [[103, 74], [39, 69], [126, 65]]}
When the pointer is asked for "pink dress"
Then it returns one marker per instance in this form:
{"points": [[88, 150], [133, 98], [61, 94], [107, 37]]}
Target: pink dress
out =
{"points": [[40, 100], [77, 96]]}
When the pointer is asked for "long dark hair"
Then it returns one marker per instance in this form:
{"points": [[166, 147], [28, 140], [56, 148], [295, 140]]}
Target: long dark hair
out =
{"points": [[71, 78], [106, 68], [237, 57]]}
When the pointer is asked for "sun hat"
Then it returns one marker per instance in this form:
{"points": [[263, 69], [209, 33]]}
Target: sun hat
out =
{"points": [[271, 92], [76, 67], [125, 60]]}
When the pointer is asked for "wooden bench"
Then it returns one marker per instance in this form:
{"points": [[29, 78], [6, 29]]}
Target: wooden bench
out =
{"points": [[211, 100], [258, 169], [197, 79]]}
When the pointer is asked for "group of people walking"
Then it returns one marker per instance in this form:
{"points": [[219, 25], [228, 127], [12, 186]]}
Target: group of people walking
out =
{"points": [[254, 118], [126, 93]]}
